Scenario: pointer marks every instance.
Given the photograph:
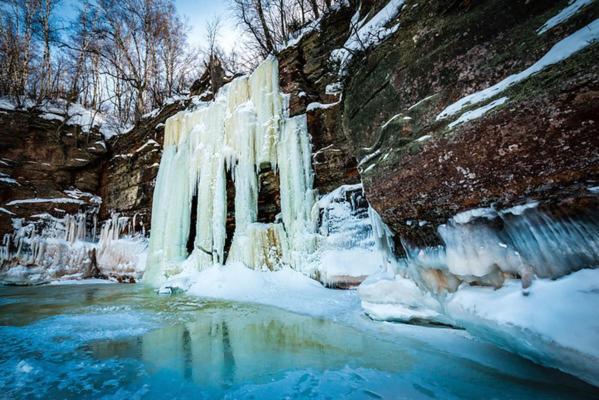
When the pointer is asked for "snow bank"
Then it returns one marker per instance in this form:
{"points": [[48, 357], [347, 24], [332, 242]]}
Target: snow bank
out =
{"points": [[556, 325], [399, 299], [286, 288], [565, 48]]}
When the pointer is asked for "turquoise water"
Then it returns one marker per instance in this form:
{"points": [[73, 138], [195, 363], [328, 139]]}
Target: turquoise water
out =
{"points": [[125, 342]]}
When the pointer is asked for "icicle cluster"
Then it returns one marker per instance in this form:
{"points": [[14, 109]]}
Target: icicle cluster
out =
{"points": [[65, 248], [52, 247], [121, 250], [483, 245], [243, 130]]}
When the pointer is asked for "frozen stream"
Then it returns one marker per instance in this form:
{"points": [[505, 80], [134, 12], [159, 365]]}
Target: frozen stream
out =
{"points": [[123, 341]]}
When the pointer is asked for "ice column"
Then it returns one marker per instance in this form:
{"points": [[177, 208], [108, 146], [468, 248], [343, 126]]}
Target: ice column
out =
{"points": [[243, 130]]}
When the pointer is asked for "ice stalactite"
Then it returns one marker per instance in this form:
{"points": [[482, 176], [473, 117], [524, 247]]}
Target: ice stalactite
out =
{"points": [[121, 251], [50, 248], [486, 246], [244, 130]]}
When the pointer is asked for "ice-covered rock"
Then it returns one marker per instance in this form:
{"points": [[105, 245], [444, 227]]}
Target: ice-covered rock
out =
{"points": [[399, 299], [556, 325]]}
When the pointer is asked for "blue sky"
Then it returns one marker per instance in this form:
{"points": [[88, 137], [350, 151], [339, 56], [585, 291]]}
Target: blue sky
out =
{"points": [[197, 14]]}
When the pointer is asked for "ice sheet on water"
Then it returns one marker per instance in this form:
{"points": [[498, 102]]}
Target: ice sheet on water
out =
{"points": [[557, 324], [38, 360]]}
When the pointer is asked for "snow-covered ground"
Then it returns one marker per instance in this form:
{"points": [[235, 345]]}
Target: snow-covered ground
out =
{"points": [[286, 288]]}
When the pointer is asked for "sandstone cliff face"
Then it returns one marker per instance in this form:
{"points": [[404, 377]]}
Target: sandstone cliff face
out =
{"points": [[42, 162], [305, 73], [540, 144]]}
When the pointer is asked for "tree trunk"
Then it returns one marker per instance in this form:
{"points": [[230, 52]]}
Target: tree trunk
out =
{"points": [[265, 29]]}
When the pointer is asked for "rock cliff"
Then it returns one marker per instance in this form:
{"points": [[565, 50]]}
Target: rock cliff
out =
{"points": [[390, 109]]}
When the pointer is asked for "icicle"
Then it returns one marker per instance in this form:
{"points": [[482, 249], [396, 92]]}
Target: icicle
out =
{"points": [[243, 130]]}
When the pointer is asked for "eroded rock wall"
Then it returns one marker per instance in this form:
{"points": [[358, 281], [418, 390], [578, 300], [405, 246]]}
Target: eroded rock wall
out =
{"points": [[539, 144], [43, 159]]}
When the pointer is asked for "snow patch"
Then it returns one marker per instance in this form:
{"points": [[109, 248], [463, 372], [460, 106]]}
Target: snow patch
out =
{"points": [[565, 48], [299, 35], [367, 33], [573, 7], [62, 200], [477, 113]]}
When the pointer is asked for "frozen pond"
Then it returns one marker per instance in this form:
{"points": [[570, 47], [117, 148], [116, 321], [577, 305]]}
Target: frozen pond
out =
{"points": [[124, 341]]}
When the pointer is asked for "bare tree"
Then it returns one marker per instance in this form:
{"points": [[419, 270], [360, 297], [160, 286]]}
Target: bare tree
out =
{"points": [[16, 45], [142, 50], [271, 23], [47, 31]]}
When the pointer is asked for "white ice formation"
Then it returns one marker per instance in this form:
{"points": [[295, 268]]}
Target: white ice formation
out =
{"points": [[49, 248], [245, 130], [483, 245]]}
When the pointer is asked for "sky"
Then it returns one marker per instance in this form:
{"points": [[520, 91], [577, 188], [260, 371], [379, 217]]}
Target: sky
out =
{"points": [[196, 13]]}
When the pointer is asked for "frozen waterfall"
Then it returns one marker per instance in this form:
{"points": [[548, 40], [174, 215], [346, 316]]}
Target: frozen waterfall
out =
{"points": [[244, 130]]}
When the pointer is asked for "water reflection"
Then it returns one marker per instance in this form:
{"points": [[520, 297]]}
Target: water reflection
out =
{"points": [[224, 347], [116, 341]]}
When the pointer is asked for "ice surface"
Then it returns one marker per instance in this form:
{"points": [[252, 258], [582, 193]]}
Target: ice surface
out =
{"points": [[557, 324], [114, 341]]}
